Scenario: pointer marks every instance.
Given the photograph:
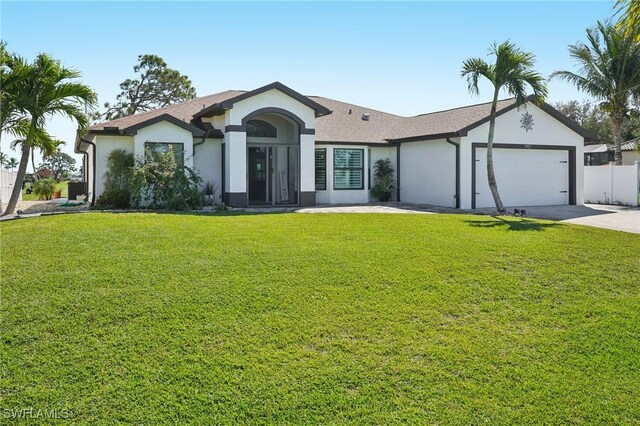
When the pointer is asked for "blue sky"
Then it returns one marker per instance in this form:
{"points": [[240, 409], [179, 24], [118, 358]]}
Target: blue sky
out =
{"points": [[403, 58]]}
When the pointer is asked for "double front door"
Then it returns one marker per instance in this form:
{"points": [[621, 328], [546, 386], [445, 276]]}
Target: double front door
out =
{"points": [[273, 174]]}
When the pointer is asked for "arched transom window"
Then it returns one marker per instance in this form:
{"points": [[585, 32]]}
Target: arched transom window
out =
{"points": [[260, 129]]}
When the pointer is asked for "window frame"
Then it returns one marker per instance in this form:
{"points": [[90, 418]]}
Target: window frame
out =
{"points": [[179, 157], [269, 126], [361, 169], [316, 169]]}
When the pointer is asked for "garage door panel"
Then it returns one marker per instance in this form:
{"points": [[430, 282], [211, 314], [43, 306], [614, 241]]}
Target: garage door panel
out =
{"points": [[525, 177]]}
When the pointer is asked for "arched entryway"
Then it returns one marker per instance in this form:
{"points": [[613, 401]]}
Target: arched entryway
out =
{"points": [[273, 158]]}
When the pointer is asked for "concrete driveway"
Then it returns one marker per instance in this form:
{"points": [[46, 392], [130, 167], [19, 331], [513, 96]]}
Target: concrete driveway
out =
{"points": [[618, 218]]}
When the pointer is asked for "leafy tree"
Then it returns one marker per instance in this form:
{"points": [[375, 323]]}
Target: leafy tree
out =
{"points": [[11, 164], [610, 72], [593, 118], [47, 91], [155, 86], [60, 163], [512, 71]]}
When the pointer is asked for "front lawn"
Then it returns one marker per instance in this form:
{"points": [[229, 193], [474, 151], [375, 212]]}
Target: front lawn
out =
{"points": [[319, 318]]}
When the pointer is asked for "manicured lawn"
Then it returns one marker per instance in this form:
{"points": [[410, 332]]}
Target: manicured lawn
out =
{"points": [[63, 185], [320, 318]]}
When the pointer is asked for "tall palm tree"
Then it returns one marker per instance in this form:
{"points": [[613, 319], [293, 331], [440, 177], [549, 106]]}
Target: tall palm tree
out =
{"points": [[512, 71], [609, 70], [13, 72], [43, 94], [629, 17], [12, 163]]}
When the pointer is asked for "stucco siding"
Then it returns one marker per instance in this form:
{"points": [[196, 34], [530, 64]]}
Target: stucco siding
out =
{"points": [[167, 133], [381, 153], [342, 196], [104, 146], [207, 163], [270, 99], [428, 173]]}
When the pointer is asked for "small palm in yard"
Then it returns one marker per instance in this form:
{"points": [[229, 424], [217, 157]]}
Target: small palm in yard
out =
{"points": [[383, 183], [610, 72], [37, 96], [512, 71]]}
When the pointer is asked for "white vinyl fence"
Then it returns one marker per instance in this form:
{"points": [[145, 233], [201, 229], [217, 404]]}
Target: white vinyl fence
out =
{"points": [[611, 184], [7, 180]]}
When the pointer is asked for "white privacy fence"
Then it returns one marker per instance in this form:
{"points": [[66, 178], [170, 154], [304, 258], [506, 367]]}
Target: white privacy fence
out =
{"points": [[7, 180], [611, 184]]}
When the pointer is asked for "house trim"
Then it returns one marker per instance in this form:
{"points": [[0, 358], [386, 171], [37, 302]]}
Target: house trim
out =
{"points": [[219, 108], [302, 129]]}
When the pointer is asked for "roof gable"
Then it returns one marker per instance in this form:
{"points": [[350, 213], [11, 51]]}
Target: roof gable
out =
{"points": [[459, 121], [220, 107]]}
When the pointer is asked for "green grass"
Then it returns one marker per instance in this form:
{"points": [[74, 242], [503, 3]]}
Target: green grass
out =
{"points": [[63, 185], [320, 318]]}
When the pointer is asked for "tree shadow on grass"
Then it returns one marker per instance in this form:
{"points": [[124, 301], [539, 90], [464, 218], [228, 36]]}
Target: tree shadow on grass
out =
{"points": [[512, 224]]}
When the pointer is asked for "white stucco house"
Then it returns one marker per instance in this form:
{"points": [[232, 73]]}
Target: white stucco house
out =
{"points": [[274, 146]]}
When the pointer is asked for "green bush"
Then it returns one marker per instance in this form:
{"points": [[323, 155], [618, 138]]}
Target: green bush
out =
{"points": [[117, 181], [160, 181], [44, 188], [383, 183]]}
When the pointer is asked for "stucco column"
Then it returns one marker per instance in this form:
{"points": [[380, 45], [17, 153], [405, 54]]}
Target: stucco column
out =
{"points": [[236, 168], [307, 170]]}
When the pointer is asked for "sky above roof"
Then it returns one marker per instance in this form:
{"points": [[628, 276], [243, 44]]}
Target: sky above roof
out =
{"points": [[402, 57]]}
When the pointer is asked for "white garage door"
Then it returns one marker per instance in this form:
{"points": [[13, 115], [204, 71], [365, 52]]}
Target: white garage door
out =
{"points": [[525, 177]]}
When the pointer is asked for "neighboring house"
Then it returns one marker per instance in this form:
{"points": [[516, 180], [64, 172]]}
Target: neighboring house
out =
{"points": [[274, 146], [598, 155], [44, 173]]}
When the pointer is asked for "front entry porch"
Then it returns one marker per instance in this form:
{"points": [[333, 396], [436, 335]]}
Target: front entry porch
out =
{"points": [[273, 175]]}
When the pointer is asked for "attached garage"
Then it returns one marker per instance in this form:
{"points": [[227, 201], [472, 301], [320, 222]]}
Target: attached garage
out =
{"points": [[527, 175]]}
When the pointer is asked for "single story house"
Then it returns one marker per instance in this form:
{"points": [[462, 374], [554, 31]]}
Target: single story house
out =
{"points": [[601, 154], [274, 146]]}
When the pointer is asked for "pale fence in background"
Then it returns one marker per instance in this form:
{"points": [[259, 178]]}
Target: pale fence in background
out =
{"points": [[611, 184], [7, 179]]}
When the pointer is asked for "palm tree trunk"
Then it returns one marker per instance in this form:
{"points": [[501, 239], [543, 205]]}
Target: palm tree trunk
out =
{"points": [[617, 123], [17, 186], [491, 177], [33, 163]]}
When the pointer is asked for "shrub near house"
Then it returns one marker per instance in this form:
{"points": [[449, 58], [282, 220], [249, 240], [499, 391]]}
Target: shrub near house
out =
{"points": [[159, 180]]}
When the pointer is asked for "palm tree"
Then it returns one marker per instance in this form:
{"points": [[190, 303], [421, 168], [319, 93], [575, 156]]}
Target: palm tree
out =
{"points": [[12, 163], [13, 72], [44, 93], [610, 72], [512, 71], [629, 20]]}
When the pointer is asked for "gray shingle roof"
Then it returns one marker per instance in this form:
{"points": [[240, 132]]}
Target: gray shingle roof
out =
{"points": [[448, 121], [346, 124], [183, 111]]}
